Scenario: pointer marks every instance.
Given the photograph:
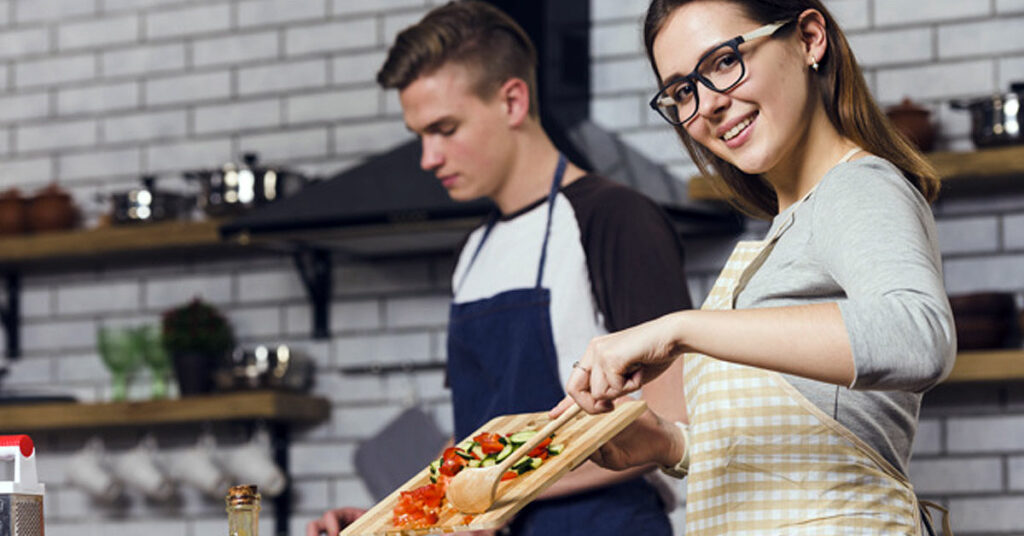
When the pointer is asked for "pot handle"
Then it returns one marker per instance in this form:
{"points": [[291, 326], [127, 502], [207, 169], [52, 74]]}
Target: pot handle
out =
{"points": [[959, 104]]}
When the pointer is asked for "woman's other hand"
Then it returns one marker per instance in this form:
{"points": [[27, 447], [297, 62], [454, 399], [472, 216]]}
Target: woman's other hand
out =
{"points": [[647, 440], [620, 363], [333, 521]]}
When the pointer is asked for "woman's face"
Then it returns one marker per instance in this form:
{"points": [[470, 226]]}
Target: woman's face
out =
{"points": [[758, 123]]}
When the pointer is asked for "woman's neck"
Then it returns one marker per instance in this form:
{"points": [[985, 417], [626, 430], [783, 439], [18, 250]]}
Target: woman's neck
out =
{"points": [[819, 150]]}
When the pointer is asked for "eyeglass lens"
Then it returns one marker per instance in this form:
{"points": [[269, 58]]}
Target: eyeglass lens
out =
{"points": [[720, 70]]}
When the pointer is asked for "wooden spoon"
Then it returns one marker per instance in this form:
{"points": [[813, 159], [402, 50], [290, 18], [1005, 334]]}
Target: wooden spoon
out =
{"points": [[473, 490]]}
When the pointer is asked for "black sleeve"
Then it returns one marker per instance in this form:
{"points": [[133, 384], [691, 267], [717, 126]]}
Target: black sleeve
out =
{"points": [[634, 255]]}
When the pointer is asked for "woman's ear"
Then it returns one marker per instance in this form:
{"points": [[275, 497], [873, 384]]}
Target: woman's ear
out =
{"points": [[811, 30], [515, 95]]}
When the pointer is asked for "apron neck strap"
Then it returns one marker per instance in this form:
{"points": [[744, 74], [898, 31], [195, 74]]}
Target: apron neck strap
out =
{"points": [[556, 185]]}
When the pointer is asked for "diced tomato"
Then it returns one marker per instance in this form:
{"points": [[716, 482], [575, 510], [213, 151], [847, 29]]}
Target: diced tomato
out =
{"points": [[542, 447], [543, 454], [509, 475], [467, 520], [489, 443], [451, 462]]}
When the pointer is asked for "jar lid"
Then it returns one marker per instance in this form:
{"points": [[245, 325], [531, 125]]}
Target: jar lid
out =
{"points": [[243, 495]]}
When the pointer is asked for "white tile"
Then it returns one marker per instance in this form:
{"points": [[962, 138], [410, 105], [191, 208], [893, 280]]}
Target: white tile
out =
{"points": [[616, 39], [336, 36], [24, 106], [356, 315], [98, 298], [957, 475], [985, 434], [987, 515], [102, 98], [45, 10], [359, 68], [929, 437], [352, 492], [146, 126], [936, 81], [143, 60], [907, 46], [52, 71], [58, 335], [277, 12], [968, 235], [161, 294], [1013, 232], [282, 77], [188, 21], [283, 145], [237, 116], [188, 155], [54, 135], [191, 87], [989, 38], [278, 285], [22, 42], [389, 348], [984, 273], [1015, 466], [333, 105], [369, 137], [349, 7], [256, 322], [235, 49], [418, 311], [897, 12], [94, 33], [611, 76], [617, 9], [321, 460], [849, 14]]}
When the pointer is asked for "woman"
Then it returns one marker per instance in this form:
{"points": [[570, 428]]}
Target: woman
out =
{"points": [[805, 367]]}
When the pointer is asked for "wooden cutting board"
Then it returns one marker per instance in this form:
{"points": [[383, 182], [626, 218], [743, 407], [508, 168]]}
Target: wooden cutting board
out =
{"points": [[581, 436]]}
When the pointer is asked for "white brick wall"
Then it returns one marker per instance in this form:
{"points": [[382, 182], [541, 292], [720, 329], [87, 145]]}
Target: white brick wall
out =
{"points": [[94, 93]]}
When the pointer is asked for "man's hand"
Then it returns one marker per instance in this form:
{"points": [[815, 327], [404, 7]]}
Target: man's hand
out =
{"points": [[333, 521], [649, 439]]}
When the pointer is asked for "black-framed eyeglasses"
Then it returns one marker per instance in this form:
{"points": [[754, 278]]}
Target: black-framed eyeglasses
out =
{"points": [[720, 69]]}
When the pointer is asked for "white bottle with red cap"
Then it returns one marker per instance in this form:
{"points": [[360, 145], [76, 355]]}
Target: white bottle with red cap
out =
{"points": [[21, 500]]}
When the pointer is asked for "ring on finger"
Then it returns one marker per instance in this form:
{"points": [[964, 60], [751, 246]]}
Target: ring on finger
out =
{"points": [[581, 367]]}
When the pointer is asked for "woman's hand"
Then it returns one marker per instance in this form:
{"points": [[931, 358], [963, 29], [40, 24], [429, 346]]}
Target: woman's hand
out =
{"points": [[333, 521], [620, 363], [649, 439]]}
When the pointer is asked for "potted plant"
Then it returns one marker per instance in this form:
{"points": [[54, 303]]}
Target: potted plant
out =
{"points": [[198, 338]]}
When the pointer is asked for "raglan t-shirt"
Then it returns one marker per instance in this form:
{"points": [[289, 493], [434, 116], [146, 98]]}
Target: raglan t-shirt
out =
{"points": [[865, 238], [613, 261]]}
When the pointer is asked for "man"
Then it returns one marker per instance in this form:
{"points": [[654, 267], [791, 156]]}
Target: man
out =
{"points": [[567, 256]]}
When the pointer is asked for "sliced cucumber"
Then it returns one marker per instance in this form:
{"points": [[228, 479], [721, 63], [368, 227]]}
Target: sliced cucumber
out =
{"points": [[522, 436], [487, 462], [555, 450], [464, 455], [528, 463], [467, 445], [433, 479], [435, 466], [473, 463], [477, 451], [504, 453]]}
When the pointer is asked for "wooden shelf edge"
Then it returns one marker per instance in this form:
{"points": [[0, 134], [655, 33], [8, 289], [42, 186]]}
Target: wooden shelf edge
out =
{"points": [[951, 165], [266, 405], [988, 365], [113, 239]]}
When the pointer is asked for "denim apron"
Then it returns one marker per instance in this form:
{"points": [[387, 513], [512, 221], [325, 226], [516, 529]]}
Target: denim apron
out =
{"points": [[502, 360]]}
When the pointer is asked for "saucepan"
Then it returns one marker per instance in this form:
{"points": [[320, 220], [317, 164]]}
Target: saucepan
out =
{"points": [[995, 119]]}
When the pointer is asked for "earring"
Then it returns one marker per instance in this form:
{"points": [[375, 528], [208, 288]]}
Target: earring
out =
{"points": [[814, 63]]}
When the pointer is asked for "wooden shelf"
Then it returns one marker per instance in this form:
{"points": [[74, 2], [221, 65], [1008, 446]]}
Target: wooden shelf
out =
{"points": [[253, 405], [138, 238], [961, 167], [988, 365]]}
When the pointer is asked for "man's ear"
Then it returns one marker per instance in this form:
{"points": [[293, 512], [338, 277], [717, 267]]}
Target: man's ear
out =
{"points": [[813, 35], [515, 96]]}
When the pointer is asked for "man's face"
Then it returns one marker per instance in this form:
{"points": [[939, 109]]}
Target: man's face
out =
{"points": [[465, 139]]}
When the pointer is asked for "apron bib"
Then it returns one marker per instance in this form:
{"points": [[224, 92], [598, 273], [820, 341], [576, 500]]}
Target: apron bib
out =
{"points": [[765, 460], [501, 360]]}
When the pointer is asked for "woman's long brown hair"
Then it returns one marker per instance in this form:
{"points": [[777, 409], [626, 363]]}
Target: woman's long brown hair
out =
{"points": [[842, 89]]}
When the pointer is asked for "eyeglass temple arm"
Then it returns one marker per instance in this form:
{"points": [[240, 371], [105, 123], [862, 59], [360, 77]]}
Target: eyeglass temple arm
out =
{"points": [[767, 29]]}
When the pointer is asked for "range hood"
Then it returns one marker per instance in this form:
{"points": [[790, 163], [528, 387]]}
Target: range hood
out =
{"points": [[389, 206]]}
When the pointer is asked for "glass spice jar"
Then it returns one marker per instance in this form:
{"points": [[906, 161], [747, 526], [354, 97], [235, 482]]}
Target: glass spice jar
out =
{"points": [[243, 507]]}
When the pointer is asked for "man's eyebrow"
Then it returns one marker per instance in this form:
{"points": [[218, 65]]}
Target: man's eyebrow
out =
{"points": [[434, 126]]}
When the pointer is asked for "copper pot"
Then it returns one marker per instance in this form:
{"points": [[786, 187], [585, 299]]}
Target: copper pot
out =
{"points": [[51, 210], [913, 121], [13, 213]]}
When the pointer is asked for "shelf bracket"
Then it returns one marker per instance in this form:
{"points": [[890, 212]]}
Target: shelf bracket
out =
{"points": [[10, 315], [314, 266], [279, 440]]}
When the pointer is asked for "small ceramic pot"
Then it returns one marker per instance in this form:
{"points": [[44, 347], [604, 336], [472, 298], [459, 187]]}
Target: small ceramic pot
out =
{"points": [[51, 210], [914, 122], [13, 213]]}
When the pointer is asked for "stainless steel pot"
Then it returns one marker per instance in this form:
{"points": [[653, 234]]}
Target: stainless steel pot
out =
{"points": [[234, 188], [996, 120], [148, 204]]}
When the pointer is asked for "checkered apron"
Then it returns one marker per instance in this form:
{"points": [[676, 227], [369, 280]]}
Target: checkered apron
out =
{"points": [[764, 460]]}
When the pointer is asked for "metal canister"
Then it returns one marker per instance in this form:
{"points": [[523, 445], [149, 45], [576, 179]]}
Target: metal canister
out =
{"points": [[21, 500]]}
